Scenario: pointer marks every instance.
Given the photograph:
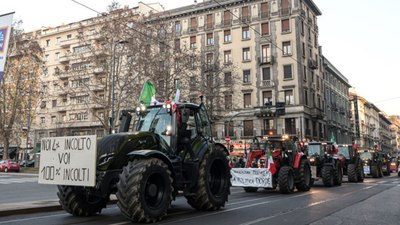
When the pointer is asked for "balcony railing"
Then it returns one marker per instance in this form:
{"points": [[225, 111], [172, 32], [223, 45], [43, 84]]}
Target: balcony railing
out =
{"points": [[265, 60], [264, 15], [267, 83], [317, 113], [226, 23], [312, 64], [285, 12]]}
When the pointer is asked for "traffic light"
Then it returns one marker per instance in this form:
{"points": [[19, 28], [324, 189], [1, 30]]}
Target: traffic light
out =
{"points": [[280, 108]]}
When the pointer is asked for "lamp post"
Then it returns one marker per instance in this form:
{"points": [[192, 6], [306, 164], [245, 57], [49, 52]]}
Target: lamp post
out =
{"points": [[113, 72]]}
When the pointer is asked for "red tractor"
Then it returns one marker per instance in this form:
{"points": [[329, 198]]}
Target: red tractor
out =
{"points": [[292, 168]]}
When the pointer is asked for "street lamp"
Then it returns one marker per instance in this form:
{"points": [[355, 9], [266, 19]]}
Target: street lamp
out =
{"points": [[113, 72]]}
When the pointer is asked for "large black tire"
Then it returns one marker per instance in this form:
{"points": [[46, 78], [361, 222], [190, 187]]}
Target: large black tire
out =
{"points": [[286, 181], [76, 201], [250, 189], [380, 170], [145, 190], [352, 173], [212, 189], [338, 174], [327, 176], [360, 171], [375, 171], [303, 176]]}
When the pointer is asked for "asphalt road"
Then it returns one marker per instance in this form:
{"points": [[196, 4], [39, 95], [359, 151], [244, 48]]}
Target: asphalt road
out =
{"points": [[377, 201]]}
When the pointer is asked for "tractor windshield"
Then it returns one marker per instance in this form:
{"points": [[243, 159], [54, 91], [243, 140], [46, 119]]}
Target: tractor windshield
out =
{"points": [[156, 120], [344, 151], [314, 149], [366, 155]]}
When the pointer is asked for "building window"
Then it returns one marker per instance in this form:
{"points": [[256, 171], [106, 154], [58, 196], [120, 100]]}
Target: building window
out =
{"points": [[247, 100], [193, 24], [227, 36], [227, 18], [306, 97], [210, 39], [246, 76], [285, 26], [47, 42], [57, 56], [81, 49], [177, 44], [289, 98], [286, 48], [245, 33], [246, 54], [53, 119], [267, 97], [302, 28], [58, 40], [290, 125], [265, 29], [266, 73], [42, 120], [193, 42], [69, 36], [227, 78], [287, 72], [209, 22], [209, 58], [264, 10], [228, 101], [227, 57], [178, 27], [229, 129], [265, 54], [54, 103], [245, 14], [248, 128]]}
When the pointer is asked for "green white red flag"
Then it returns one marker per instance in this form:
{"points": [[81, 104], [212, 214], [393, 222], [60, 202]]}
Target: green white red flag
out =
{"points": [[271, 165]]}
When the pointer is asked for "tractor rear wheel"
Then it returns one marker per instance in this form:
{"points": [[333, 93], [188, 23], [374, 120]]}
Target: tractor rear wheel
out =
{"points": [[360, 171], [327, 176], [338, 174], [352, 173], [212, 189], [303, 176], [375, 171], [286, 180], [145, 190], [76, 201]]}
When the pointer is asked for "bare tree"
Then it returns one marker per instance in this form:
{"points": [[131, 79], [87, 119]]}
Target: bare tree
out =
{"points": [[19, 85]]}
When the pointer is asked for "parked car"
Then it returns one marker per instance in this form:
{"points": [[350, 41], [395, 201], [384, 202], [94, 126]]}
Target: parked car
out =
{"points": [[393, 164], [9, 165], [29, 163]]}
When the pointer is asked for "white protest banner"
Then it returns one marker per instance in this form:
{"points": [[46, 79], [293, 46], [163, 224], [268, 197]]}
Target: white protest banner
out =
{"points": [[5, 32], [68, 161], [251, 177]]}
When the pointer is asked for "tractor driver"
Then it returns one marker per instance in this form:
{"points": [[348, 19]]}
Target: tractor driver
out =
{"points": [[184, 135]]}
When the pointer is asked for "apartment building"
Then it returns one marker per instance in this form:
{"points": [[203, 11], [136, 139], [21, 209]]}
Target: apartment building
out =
{"points": [[338, 109], [64, 109], [273, 47]]}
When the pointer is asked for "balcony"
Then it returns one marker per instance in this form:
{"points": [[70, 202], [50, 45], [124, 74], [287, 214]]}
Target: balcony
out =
{"points": [[226, 23], [209, 26], [285, 11], [209, 67], [317, 113], [65, 58], [267, 83], [99, 70], [192, 30], [264, 15], [265, 60], [66, 43], [312, 64], [245, 19]]}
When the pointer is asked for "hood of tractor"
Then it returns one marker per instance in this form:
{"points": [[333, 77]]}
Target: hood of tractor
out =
{"points": [[112, 150]]}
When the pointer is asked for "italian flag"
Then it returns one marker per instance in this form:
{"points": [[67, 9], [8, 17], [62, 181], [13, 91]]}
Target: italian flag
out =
{"points": [[271, 165], [148, 95]]}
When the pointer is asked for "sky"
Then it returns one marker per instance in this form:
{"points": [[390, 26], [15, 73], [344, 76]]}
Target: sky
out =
{"points": [[359, 37]]}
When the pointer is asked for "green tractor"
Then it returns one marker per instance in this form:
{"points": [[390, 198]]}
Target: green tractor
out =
{"points": [[170, 150]]}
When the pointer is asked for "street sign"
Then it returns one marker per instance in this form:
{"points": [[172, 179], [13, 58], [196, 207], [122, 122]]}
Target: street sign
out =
{"points": [[227, 138], [68, 161]]}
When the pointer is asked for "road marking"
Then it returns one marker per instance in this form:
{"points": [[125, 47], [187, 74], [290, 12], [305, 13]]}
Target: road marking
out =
{"points": [[32, 218], [237, 208], [381, 182], [18, 180]]}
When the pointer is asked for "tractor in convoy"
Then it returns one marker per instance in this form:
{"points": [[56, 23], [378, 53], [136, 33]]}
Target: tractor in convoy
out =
{"points": [[375, 163], [353, 165], [325, 163], [291, 164], [170, 150]]}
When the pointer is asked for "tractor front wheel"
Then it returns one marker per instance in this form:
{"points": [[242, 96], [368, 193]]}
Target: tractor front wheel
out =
{"points": [[286, 180], [76, 201], [145, 190], [327, 176], [303, 176], [352, 173]]}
